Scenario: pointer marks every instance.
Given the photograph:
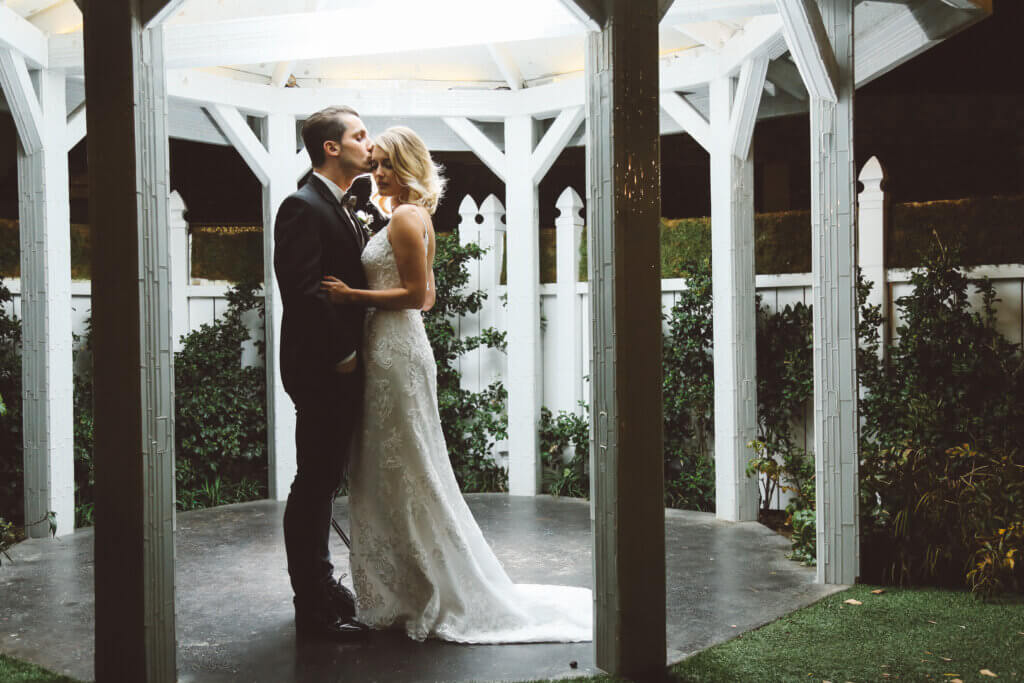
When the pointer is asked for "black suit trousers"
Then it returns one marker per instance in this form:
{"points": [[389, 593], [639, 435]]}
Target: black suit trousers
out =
{"points": [[324, 426]]}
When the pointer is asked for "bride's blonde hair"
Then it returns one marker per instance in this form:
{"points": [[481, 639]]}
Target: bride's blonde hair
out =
{"points": [[411, 162]]}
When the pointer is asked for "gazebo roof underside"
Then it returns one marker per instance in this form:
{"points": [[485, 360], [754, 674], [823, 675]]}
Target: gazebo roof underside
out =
{"points": [[406, 61]]}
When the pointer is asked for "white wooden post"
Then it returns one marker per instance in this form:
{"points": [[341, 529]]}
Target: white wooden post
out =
{"points": [[872, 210], [833, 257], [732, 272], [180, 268], [469, 325], [44, 214], [279, 135], [568, 234], [133, 349], [493, 362], [524, 352]]}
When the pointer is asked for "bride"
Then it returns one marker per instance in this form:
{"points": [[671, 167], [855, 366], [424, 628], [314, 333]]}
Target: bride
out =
{"points": [[419, 560]]}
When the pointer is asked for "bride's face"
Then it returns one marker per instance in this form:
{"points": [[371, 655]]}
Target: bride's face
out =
{"points": [[388, 184]]}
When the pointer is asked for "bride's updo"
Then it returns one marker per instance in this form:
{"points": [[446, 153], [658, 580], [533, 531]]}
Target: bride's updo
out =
{"points": [[411, 162]]}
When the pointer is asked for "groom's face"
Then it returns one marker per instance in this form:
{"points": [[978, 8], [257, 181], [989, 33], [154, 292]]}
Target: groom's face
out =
{"points": [[353, 152]]}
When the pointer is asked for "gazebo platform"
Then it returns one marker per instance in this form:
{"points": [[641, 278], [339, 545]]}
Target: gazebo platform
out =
{"points": [[234, 612]]}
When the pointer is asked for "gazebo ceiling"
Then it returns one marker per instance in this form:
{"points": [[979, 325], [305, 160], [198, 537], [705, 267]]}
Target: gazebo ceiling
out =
{"points": [[402, 60]]}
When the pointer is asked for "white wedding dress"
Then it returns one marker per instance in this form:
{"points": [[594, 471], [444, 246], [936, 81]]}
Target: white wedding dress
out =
{"points": [[419, 561]]}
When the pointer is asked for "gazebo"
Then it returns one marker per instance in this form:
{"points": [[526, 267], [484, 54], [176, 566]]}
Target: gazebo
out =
{"points": [[514, 83]]}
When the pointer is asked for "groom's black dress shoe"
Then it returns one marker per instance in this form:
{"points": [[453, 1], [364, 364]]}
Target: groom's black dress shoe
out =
{"points": [[322, 623], [340, 598]]}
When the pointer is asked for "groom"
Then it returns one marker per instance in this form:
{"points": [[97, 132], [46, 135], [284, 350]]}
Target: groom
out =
{"points": [[315, 235]]}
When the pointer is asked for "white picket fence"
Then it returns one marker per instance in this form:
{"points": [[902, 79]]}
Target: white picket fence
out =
{"points": [[564, 304]]}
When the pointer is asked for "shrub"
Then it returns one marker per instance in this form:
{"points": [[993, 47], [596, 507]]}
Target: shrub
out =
{"points": [[558, 433], [220, 428], [472, 421], [946, 517], [931, 505], [11, 474]]}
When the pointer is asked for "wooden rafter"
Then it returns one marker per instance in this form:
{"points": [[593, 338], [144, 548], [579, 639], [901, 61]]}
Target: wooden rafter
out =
{"points": [[745, 106], [554, 141], [808, 43], [244, 140], [687, 116], [22, 100], [22, 37], [485, 150], [690, 11], [507, 65]]}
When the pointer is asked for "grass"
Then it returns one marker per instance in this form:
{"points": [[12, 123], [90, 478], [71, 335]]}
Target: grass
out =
{"points": [[901, 634], [15, 671]]}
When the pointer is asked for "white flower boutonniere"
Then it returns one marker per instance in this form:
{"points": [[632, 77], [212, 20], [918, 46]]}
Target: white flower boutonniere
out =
{"points": [[363, 217]]}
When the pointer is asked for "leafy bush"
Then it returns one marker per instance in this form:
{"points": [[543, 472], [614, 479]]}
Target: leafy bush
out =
{"points": [[11, 474], [472, 421], [220, 428], [558, 433], [946, 517], [929, 502], [688, 394]]}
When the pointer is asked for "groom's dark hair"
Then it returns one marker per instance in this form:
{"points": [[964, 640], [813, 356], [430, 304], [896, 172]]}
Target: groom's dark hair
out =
{"points": [[326, 124]]}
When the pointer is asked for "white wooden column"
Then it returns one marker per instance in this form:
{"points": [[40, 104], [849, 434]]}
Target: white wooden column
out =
{"points": [[568, 235], [623, 210], [872, 209], [523, 276], [833, 179], [44, 215], [733, 112], [132, 342], [281, 142]]}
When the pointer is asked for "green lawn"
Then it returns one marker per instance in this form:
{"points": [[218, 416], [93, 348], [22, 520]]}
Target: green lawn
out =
{"points": [[901, 634], [15, 671]]}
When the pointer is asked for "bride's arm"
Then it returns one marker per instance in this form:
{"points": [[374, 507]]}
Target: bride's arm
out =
{"points": [[406, 235]]}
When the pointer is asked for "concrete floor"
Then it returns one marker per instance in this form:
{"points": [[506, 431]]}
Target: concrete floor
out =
{"points": [[234, 613]]}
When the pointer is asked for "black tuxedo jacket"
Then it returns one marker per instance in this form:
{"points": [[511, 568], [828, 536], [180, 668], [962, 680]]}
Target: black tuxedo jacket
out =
{"points": [[315, 237]]}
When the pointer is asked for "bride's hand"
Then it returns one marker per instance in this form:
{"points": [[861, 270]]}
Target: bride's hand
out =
{"points": [[337, 291]]}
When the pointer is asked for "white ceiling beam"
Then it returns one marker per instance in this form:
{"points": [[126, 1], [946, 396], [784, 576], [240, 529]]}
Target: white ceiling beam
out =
{"points": [[314, 35], [76, 127], [485, 150], [507, 65], [745, 106], [21, 36], [691, 11], [688, 118], [21, 100], [784, 74], [554, 141], [712, 34], [761, 36], [908, 31], [590, 13], [809, 44], [243, 139]]}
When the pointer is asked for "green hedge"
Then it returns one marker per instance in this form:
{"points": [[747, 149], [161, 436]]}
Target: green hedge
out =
{"points": [[988, 227]]}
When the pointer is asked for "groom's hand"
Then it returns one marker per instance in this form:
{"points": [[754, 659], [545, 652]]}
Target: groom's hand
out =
{"points": [[344, 367]]}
